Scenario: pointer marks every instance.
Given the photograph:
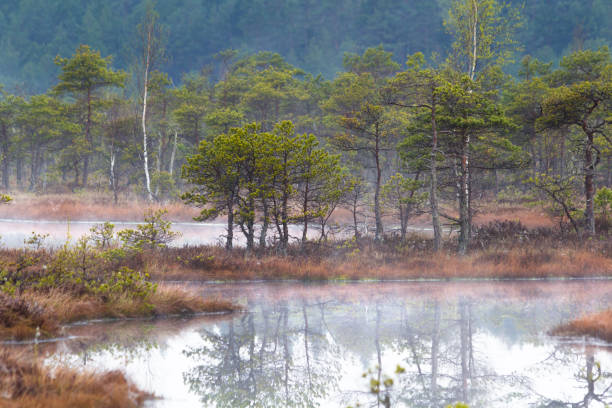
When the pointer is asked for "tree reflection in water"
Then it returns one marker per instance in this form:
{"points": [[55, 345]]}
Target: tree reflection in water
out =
{"points": [[299, 353], [593, 380], [308, 346], [280, 357]]}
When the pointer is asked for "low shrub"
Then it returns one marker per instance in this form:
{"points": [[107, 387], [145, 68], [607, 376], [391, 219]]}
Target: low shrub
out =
{"points": [[598, 325], [20, 318], [79, 270], [27, 383]]}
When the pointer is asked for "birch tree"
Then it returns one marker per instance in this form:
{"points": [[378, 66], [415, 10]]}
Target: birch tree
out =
{"points": [[152, 37], [483, 32]]}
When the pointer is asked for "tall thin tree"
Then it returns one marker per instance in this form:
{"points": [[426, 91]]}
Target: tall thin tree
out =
{"points": [[152, 37]]}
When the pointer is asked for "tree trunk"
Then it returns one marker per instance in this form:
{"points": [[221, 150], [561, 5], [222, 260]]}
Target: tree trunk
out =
{"points": [[251, 226], [403, 222], [264, 225], [285, 224], [173, 155], [435, 349], [609, 171], [19, 171], [34, 164], [44, 172], [306, 352], [158, 161], [113, 178], [87, 139], [562, 158], [355, 225], [230, 224], [464, 197], [144, 121], [305, 212], [469, 201], [474, 40], [496, 181], [464, 338], [377, 213], [433, 197], [85, 170], [5, 158], [589, 187]]}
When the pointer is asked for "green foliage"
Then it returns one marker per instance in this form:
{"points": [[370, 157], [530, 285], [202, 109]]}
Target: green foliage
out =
{"points": [[154, 233], [401, 198], [78, 269], [247, 169], [584, 93], [102, 234], [85, 72], [313, 36], [163, 183], [376, 61], [483, 32], [603, 201], [381, 385], [124, 281], [193, 105], [561, 193], [36, 240]]}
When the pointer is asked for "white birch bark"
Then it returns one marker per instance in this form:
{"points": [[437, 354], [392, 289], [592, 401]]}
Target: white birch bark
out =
{"points": [[144, 117]]}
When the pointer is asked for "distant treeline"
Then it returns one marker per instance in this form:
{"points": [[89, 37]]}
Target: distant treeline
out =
{"points": [[312, 35], [268, 144]]}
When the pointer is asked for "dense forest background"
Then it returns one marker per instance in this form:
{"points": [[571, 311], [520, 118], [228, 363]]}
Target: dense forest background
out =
{"points": [[312, 35]]}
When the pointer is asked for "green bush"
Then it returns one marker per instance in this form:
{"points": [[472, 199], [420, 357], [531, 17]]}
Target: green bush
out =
{"points": [[80, 269], [154, 233], [102, 234], [163, 184]]}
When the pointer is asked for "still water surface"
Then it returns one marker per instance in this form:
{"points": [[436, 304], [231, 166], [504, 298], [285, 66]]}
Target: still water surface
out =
{"points": [[13, 233], [302, 345]]}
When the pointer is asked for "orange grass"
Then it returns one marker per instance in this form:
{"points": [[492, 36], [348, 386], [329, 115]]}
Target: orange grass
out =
{"points": [[93, 207], [597, 325], [27, 383], [56, 307], [209, 263], [529, 217]]}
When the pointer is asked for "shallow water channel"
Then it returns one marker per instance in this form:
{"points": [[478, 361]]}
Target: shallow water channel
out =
{"points": [[300, 345], [57, 233]]}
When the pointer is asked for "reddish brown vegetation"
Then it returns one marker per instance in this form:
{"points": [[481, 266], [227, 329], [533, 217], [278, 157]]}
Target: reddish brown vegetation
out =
{"points": [[98, 206], [92, 207], [21, 315], [27, 383], [19, 318], [392, 260], [530, 217], [597, 325]]}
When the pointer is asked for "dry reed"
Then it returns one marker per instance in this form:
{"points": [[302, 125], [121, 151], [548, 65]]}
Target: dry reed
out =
{"points": [[20, 316], [598, 325], [27, 383], [92, 207]]}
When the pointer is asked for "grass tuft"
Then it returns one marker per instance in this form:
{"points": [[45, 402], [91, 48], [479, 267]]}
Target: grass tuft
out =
{"points": [[597, 325], [27, 383], [21, 315]]}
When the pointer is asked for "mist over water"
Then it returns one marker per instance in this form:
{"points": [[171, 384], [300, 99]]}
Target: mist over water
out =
{"points": [[301, 345], [14, 232]]}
